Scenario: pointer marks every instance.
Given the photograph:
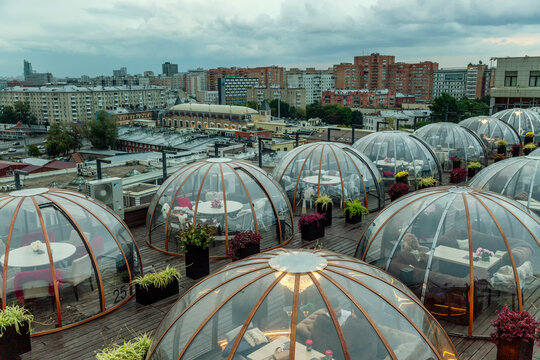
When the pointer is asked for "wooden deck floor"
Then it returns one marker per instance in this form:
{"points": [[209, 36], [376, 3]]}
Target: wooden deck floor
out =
{"points": [[82, 341]]}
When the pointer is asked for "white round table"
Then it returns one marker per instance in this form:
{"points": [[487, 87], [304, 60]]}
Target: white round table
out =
{"points": [[205, 207], [25, 257], [325, 180], [398, 163]]}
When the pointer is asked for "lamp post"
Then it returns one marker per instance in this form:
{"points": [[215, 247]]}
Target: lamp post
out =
{"points": [[260, 140], [98, 164], [379, 124], [164, 161], [355, 126], [18, 174]]}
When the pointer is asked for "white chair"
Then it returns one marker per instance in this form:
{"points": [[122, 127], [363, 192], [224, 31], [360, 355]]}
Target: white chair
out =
{"points": [[81, 270], [243, 221]]}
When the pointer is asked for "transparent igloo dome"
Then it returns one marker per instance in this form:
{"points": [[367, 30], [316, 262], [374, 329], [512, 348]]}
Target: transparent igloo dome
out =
{"points": [[231, 196], [517, 178], [284, 298], [523, 120], [64, 256], [333, 169], [395, 151], [452, 140], [464, 252], [491, 130]]}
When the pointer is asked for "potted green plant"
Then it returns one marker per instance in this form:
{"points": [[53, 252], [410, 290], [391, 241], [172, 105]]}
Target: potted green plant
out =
{"points": [[426, 182], [501, 147], [498, 157], [527, 149], [244, 244], [135, 349], [529, 137], [194, 242], [397, 190], [311, 226], [354, 210], [515, 334], [15, 330], [456, 162], [458, 175], [516, 149], [402, 177], [473, 168], [156, 286], [324, 206]]}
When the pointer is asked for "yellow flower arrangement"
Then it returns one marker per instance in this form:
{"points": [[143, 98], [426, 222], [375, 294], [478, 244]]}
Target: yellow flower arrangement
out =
{"points": [[529, 134], [402, 174]]}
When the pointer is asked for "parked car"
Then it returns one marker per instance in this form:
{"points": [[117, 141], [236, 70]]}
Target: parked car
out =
{"points": [[12, 150], [17, 143]]}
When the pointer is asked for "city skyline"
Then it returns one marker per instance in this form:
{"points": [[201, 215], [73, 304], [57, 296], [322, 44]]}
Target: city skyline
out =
{"points": [[74, 39]]}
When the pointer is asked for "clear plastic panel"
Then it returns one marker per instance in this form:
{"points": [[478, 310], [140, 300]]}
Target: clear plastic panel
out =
{"points": [[76, 267], [185, 327], [29, 273]]}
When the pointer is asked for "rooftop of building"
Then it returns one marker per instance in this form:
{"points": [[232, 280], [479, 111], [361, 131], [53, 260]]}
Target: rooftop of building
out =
{"points": [[72, 88], [214, 109]]}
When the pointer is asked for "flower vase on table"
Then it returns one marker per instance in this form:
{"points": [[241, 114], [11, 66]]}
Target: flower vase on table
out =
{"points": [[38, 247]]}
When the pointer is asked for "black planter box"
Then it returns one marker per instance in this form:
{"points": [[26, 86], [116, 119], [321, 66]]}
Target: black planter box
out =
{"points": [[515, 152], [456, 164], [528, 140], [501, 150], [527, 151], [352, 219], [249, 249], [197, 262], [327, 213], [151, 294], [472, 172], [12, 344], [402, 179], [313, 231]]}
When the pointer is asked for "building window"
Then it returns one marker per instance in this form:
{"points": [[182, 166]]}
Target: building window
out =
{"points": [[534, 78], [510, 78]]}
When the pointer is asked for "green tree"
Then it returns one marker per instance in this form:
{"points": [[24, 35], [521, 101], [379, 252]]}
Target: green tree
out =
{"points": [[33, 151], [62, 139], [445, 107], [252, 104], [473, 107], [23, 114], [283, 108], [299, 113], [357, 118], [8, 115], [102, 132]]}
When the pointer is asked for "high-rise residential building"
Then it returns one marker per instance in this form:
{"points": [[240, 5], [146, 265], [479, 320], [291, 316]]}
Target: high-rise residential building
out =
{"points": [[120, 72], [516, 83], [470, 82], [71, 103], [377, 72], [266, 75], [293, 96], [169, 69], [313, 81], [233, 90]]}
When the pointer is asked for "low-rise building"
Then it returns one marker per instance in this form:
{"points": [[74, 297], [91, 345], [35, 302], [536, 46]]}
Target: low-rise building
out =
{"points": [[516, 83], [294, 97]]}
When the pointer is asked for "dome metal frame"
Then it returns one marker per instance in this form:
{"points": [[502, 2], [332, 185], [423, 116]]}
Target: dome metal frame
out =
{"points": [[481, 126], [530, 120], [468, 196], [424, 145], [57, 200], [334, 147], [456, 126], [330, 268], [232, 166]]}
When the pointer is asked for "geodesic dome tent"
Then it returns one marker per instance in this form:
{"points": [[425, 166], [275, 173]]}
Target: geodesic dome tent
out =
{"points": [[491, 130], [395, 151], [285, 297], [452, 140], [64, 256], [434, 240], [229, 195], [517, 178], [523, 120], [327, 168]]}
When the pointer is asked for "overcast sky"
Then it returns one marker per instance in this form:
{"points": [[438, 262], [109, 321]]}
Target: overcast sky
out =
{"points": [[93, 37]]}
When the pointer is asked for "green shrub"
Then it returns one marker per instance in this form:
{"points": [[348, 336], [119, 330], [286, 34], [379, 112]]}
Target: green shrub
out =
{"points": [[199, 235], [14, 316], [324, 200], [427, 181], [355, 208], [474, 165], [159, 279], [130, 350]]}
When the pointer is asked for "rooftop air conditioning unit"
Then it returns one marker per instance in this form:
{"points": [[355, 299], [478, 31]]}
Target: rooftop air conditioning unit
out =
{"points": [[108, 191]]}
